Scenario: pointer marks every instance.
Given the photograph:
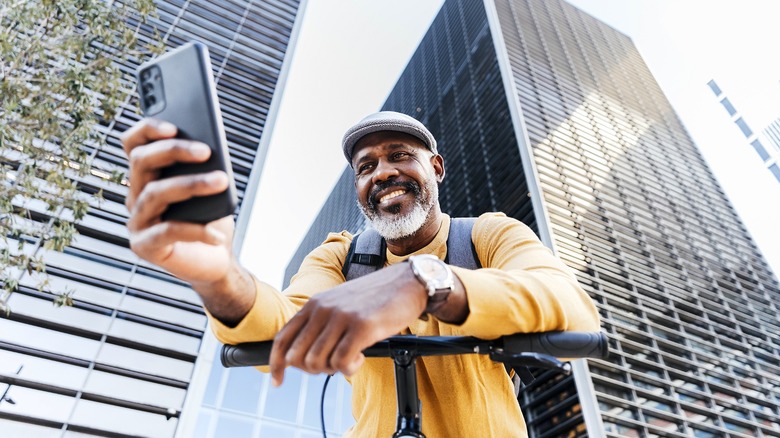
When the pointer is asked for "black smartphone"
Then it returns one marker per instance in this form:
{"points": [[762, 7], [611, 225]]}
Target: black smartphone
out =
{"points": [[178, 87]]}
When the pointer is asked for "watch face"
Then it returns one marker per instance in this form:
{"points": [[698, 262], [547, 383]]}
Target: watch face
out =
{"points": [[433, 270], [436, 276]]}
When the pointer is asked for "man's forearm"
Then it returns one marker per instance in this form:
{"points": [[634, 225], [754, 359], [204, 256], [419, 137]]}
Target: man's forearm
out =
{"points": [[231, 298]]}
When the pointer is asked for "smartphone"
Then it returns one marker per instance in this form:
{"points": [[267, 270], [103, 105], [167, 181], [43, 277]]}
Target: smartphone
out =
{"points": [[178, 87]]}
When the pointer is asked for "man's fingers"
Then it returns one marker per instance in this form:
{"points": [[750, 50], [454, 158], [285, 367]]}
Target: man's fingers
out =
{"points": [[146, 131], [314, 356], [353, 366], [147, 160], [348, 355], [282, 343], [163, 153], [160, 194], [165, 234]]}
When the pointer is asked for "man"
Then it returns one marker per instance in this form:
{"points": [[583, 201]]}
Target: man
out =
{"points": [[322, 323]]}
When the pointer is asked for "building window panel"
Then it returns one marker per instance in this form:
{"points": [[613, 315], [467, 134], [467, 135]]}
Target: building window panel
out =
{"points": [[203, 424], [154, 336], [743, 127], [282, 402], [47, 340], [272, 429], [135, 390], [164, 312], [775, 169], [729, 107], [69, 316], [164, 288], [122, 420], [714, 87], [243, 387], [311, 411], [144, 362], [49, 372], [36, 404]]}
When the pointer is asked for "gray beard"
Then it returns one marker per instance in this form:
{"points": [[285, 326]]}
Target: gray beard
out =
{"points": [[396, 226]]}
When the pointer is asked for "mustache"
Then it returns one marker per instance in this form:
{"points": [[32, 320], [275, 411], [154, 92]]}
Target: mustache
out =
{"points": [[410, 186]]}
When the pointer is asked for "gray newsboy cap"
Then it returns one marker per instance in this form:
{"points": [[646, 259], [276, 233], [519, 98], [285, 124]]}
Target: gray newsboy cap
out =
{"points": [[386, 121]]}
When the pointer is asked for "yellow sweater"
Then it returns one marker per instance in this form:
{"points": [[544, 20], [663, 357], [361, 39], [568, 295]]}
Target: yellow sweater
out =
{"points": [[523, 287]]}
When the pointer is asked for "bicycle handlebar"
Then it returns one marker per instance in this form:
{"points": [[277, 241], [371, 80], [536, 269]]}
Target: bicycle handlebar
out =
{"points": [[557, 344]]}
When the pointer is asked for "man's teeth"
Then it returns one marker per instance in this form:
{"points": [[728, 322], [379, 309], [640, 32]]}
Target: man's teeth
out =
{"points": [[391, 195]]}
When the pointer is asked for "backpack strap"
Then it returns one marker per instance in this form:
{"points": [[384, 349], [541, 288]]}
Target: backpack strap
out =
{"points": [[462, 252], [366, 254], [368, 250], [460, 247]]}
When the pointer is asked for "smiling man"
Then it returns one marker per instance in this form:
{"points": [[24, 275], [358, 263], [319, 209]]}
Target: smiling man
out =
{"points": [[322, 323]]}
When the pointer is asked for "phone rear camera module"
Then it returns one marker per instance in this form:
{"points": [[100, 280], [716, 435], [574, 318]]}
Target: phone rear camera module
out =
{"points": [[151, 90]]}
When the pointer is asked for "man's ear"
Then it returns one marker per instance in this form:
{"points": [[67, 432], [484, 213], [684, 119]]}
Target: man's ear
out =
{"points": [[438, 166]]}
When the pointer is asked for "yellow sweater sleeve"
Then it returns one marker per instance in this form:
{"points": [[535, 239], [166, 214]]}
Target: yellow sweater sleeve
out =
{"points": [[523, 282], [320, 270]]}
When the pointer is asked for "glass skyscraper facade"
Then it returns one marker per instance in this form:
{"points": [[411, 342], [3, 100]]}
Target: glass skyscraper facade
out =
{"points": [[123, 360], [551, 116], [766, 143]]}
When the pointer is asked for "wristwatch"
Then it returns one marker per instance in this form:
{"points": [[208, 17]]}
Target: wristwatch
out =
{"points": [[436, 276]]}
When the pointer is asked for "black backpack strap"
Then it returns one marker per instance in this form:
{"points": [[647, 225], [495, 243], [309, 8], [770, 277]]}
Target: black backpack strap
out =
{"points": [[366, 254]]}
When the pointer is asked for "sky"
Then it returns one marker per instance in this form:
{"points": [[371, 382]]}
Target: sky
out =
{"points": [[349, 54]]}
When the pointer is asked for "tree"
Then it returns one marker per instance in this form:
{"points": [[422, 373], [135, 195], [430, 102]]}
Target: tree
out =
{"points": [[59, 89]]}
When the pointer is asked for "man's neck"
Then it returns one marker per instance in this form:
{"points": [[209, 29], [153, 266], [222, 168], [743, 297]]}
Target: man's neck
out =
{"points": [[421, 238]]}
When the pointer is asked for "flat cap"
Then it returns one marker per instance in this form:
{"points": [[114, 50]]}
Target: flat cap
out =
{"points": [[386, 121]]}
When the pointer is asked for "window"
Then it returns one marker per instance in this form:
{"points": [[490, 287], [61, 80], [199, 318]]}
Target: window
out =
{"points": [[202, 426], [729, 107], [775, 171], [311, 413], [122, 420], [744, 127], [271, 429], [714, 87], [282, 402], [215, 377], [235, 427], [760, 149], [243, 390]]}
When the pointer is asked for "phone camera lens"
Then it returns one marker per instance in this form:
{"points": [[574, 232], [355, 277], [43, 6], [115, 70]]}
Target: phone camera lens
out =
{"points": [[150, 101], [145, 75], [148, 88]]}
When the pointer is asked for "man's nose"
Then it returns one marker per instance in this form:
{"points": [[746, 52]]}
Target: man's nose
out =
{"points": [[384, 171]]}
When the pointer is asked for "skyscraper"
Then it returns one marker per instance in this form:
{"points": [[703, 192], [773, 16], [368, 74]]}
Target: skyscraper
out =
{"points": [[121, 361], [766, 143], [551, 116]]}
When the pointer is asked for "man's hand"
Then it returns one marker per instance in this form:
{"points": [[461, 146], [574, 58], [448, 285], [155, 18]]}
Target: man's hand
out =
{"points": [[330, 332], [334, 327], [196, 253]]}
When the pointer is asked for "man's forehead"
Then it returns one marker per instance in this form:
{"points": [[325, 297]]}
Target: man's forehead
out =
{"points": [[391, 139]]}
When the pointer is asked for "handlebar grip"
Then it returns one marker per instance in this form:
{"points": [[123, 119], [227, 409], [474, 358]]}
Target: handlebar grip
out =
{"points": [[559, 344], [249, 354]]}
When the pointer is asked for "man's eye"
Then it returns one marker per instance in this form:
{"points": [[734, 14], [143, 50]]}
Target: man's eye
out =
{"points": [[364, 168], [399, 155]]}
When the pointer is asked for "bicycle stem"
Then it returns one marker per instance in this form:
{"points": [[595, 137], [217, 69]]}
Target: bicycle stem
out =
{"points": [[409, 406]]}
